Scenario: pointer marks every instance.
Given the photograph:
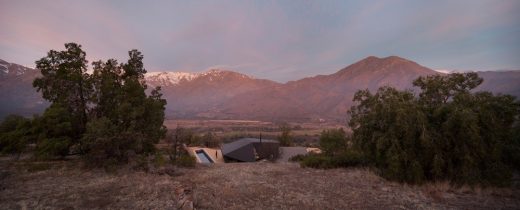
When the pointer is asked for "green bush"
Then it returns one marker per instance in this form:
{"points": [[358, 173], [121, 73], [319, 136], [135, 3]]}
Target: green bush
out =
{"points": [[333, 141], [346, 159], [54, 130], [285, 138], [52, 147], [15, 133]]}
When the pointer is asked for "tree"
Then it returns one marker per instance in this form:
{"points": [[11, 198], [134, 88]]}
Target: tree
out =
{"points": [[446, 133], [106, 115], [285, 137], [176, 139], [107, 83], [388, 127], [65, 81], [124, 118]]}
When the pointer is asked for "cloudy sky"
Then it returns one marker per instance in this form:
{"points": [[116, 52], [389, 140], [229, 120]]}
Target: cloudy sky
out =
{"points": [[279, 40]]}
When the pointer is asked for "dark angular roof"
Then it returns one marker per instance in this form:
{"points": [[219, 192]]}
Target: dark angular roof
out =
{"points": [[244, 149]]}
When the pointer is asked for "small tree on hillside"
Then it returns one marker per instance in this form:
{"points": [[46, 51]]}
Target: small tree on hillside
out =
{"points": [[176, 139], [209, 139]]}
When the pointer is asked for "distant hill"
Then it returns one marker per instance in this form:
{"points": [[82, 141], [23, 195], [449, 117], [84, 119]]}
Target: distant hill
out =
{"points": [[17, 94], [325, 96], [223, 94], [199, 94]]}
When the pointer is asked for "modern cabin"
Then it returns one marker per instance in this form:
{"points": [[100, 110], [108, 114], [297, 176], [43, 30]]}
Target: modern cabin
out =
{"points": [[250, 150]]}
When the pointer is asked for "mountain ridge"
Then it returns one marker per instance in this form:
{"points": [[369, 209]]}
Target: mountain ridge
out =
{"points": [[226, 94]]}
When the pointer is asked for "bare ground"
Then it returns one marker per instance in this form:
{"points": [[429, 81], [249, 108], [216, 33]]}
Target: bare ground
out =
{"points": [[63, 185]]}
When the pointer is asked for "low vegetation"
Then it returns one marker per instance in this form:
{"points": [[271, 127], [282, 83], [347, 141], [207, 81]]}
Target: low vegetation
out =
{"points": [[285, 137], [446, 133]]}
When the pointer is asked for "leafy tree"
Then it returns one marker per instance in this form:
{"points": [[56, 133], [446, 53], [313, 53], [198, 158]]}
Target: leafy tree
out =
{"points": [[388, 127], [446, 133], [105, 115], [285, 137], [123, 110], [65, 81], [107, 83]]}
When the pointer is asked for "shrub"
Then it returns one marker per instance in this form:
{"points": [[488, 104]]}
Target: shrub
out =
{"points": [[159, 160], [297, 158], [186, 161], [346, 159], [55, 132], [15, 133], [285, 137], [104, 144], [333, 141]]}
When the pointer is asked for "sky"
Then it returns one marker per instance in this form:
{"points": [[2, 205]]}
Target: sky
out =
{"points": [[278, 40]]}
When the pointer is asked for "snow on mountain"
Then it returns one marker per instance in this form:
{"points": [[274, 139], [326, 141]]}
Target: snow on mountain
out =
{"points": [[13, 69], [444, 71], [174, 78], [169, 78], [4, 68]]}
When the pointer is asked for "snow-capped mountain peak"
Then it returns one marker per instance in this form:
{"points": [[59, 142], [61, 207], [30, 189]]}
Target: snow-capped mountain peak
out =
{"points": [[12, 69], [174, 78], [169, 78]]}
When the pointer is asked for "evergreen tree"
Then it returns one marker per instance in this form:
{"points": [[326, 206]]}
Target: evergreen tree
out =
{"points": [[106, 115], [124, 119], [65, 81]]}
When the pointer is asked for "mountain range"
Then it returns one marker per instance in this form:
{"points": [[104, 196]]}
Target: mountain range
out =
{"points": [[223, 94]]}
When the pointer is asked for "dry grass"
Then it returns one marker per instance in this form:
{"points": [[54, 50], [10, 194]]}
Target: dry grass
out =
{"points": [[265, 185], [66, 186], [287, 186]]}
